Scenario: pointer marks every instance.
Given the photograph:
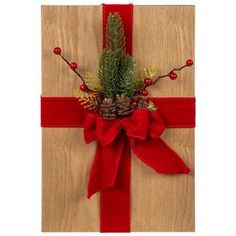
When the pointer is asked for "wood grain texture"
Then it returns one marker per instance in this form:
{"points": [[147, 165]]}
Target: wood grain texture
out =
{"points": [[163, 36]]}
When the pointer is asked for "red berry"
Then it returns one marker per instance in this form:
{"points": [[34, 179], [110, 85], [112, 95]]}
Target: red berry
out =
{"points": [[173, 75], [73, 66], [83, 87], [134, 103], [57, 50], [189, 62], [144, 92], [147, 81]]}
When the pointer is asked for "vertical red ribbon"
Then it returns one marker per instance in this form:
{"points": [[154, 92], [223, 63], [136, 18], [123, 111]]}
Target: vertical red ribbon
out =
{"points": [[115, 203]]}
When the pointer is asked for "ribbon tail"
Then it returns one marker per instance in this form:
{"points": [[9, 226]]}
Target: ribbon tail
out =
{"points": [[115, 202], [105, 166], [158, 155]]}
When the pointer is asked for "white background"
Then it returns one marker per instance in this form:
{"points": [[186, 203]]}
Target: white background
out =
{"points": [[20, 134]]}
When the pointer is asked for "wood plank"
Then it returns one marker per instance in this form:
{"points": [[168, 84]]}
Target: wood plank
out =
{"points": [[163, 36], [66, 159]]}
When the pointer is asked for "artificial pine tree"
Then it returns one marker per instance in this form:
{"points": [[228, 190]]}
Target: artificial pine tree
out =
{"points": [[116, 69]]}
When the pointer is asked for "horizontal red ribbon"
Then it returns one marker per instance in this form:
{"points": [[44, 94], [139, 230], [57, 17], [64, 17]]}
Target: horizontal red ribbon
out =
{"points": [[176, 112]]}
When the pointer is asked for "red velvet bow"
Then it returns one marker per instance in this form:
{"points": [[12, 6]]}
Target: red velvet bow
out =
{"points": [[142, 129]]}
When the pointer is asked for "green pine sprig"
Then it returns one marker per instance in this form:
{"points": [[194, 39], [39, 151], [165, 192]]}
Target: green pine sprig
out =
{"points": [[108, 72], [116, 67], [115, 36], [126, 80]]}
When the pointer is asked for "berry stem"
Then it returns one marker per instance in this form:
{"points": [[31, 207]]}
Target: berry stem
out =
{"points": [[162, 76], [76, 72]]}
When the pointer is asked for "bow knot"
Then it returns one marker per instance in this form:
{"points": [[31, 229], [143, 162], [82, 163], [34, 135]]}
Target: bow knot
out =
{"points": [[138, 125]]}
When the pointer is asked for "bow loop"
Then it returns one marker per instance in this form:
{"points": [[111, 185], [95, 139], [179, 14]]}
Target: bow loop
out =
{"points": [[156, 125]]}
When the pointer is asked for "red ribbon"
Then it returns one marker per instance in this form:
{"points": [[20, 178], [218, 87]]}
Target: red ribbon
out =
{"points": [[176, 112]]}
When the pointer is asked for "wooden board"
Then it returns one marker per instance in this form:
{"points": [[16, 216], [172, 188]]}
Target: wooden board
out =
{"points": [[163, 37]]}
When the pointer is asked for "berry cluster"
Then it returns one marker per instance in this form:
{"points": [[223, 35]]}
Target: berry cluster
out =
{"points": [[116, 91], [73, 66], [172, 75]]}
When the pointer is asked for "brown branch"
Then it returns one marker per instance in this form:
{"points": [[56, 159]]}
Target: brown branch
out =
{"points": [[76, 72], [162, 76]]}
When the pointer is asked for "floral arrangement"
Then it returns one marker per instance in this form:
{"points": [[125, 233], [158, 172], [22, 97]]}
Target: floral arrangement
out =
{"points": [[117, 90]]}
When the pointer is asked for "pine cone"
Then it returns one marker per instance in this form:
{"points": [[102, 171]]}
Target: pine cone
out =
{"points": [[108, 109], [124, 106]]}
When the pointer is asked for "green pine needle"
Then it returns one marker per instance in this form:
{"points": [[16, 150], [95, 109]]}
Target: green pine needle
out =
{"points": [[126, 76], [115, 37], [116, 68]]}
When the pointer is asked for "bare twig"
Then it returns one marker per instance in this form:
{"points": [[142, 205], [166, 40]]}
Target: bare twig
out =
{"points": [[76, 72]]}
